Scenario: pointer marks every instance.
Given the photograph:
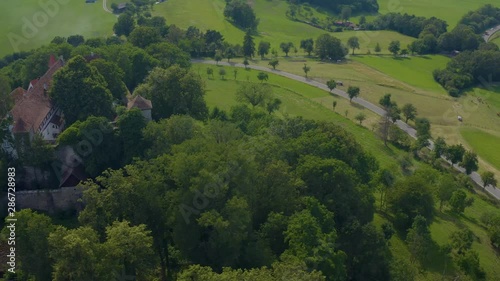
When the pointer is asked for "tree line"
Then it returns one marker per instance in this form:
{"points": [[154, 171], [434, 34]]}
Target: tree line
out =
{"points": [[357, 6]]}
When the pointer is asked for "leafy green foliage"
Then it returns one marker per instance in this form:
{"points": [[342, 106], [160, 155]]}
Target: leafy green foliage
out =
{"points": [[307, 45], [125, 25], [95, 142], [353, 92], [80, 91], [254, 94], [353, 43], [32, 255], [394, 47], [143, 36], [130, 126], [263, 48], [409, 198], [459, 201], [469, 162], [241, 14], [329, 48], [409, 111], [113, 75], [174, 91]]}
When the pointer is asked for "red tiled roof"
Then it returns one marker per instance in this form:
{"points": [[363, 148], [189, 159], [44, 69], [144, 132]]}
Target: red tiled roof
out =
{"points": [[18, 94], [30, 111], [52, 60], [34, 81], [140, 102]]}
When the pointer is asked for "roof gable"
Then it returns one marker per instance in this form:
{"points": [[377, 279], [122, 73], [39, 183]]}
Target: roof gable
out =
{"points": [[139, 102], [31, 109]]}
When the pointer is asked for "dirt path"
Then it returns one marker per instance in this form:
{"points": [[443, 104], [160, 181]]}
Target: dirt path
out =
{"points": [[495, 192], [105, 6]]}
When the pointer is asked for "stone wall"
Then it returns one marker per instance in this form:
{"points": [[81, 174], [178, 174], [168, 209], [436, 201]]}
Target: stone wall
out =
{"points": [[54, 200]]}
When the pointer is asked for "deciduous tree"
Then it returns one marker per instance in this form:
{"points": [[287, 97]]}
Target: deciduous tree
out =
{"points": [[124, 25], [488, 178], [331, 84], [353, 43], [307, 45], [394, 47], [409, 111], [469, 162], [353, 92], [285, 47], [174, 91], [263, 48], [81, 91], [255, 94]]}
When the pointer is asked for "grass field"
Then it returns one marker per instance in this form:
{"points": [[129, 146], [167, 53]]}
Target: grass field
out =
{"points": [[496, 41], [416, 71], [29, 25], [273, 27], [484, 143], [449, 10]]}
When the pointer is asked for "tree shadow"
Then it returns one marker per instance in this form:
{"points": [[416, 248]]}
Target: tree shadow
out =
{"points": [[401, 58], [356, 105]]}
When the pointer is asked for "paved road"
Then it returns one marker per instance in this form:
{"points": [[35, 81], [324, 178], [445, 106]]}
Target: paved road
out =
{"points": [[495, 192], [491, 31]]}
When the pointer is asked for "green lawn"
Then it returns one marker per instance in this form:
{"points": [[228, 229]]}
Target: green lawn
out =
{"points": [[485, 144], [27, 25], [273, 27], [449, 10], [416, 71], [496, 41]]}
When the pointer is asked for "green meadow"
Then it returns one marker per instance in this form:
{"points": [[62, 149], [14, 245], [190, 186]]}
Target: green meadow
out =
{"points": [[30, 24], [415, 71], [449, 10], [484, 143], [274, 26]]}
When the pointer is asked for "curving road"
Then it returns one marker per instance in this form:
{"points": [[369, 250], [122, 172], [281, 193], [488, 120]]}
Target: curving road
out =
{"points": [[491, 32], [105, 6], [368, 105]]}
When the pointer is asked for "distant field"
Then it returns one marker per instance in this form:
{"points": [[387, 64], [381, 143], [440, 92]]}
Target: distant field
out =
{"points": [[485, 144], [29, 25], [273, 27], [449, 10], [416, 71]]}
